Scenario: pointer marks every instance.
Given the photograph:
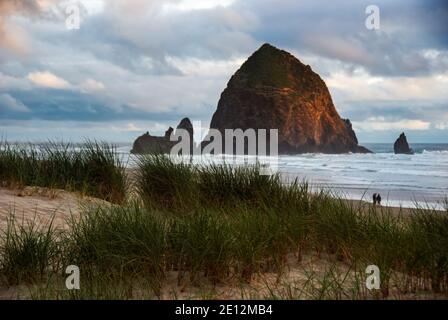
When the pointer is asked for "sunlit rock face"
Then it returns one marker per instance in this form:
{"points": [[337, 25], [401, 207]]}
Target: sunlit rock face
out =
{"points": [[274, 90]]}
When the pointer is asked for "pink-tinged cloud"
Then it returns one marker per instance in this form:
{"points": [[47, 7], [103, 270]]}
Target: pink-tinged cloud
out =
{"points": [[13, 38], [48, 80]]}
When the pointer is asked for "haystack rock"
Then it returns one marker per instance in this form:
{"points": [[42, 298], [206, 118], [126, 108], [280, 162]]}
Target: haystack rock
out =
{"points": [[146, 143], [401, 145], [274, 90]]}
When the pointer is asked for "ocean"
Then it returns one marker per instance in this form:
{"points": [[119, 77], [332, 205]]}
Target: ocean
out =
{"points": [[402, 180]]}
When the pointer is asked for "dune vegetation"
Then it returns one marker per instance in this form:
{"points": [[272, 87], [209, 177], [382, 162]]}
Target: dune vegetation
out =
{"points": [[92, 168], [214, 224]]}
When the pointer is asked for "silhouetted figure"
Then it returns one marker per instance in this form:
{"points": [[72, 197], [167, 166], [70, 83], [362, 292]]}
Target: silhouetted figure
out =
{"points": [[376, 199]]}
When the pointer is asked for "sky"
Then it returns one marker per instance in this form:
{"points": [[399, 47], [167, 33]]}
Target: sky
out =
{"points": [[142, 65]]}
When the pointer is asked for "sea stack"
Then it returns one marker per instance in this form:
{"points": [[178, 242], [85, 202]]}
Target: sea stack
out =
{"points": [[148, 144], [274, 90], [401, 145]]}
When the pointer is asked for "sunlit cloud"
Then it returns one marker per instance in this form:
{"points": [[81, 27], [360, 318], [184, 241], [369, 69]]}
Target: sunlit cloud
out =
{"points": [[48, 80]]}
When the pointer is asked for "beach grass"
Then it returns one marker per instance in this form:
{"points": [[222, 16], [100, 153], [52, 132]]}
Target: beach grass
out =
{"points": [[92, 168], [163, 183], [166, 183], [28, 251], [223, 224]]}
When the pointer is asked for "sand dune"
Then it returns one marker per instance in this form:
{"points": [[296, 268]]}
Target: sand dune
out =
{"points": [[41, 204]]}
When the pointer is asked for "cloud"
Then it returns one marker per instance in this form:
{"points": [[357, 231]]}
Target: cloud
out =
{"points": [[13, 38], [199, 4], [165, 59], [115, 131], [48, 80], [442, 125], [336, 31], [73, 105], [349, 50], [381, 124], [91, 85], [360, 85], [140, 36], [22, 6], [8, 82], [8, 102], [204, 67], [16, 39]]}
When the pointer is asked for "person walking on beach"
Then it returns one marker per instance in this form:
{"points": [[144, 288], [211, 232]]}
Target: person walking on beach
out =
{"points": [[376, 199]]}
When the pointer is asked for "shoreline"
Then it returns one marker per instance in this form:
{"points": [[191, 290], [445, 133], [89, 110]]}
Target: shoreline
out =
{"points": [[406, 199], [357, 178]]}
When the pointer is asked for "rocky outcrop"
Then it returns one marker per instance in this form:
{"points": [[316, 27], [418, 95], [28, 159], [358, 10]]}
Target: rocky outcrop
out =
{"points": [[274, 90], [401, 145], [352, 133], [148, 144], [186, 124]]}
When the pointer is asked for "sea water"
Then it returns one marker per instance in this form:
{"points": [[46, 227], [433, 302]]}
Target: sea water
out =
{"points": [[414, 180]]}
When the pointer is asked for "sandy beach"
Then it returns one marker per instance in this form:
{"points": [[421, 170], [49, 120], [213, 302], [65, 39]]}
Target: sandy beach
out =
{"points": [[41, 204]]}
